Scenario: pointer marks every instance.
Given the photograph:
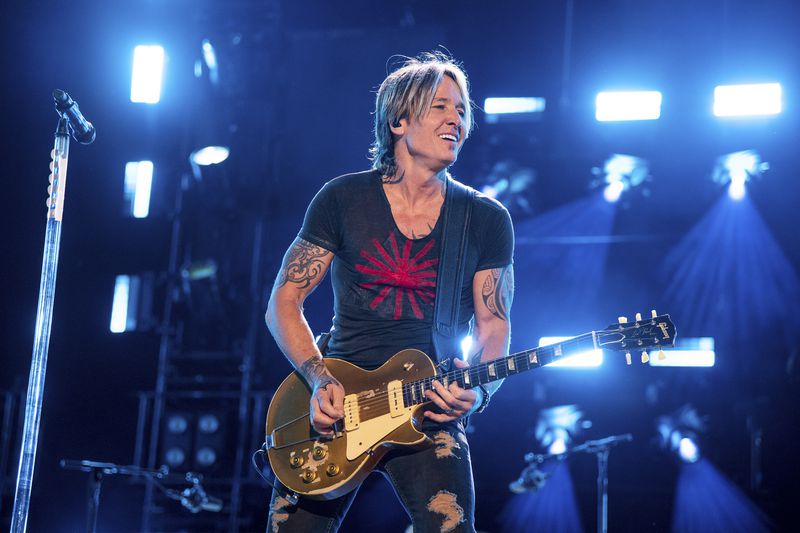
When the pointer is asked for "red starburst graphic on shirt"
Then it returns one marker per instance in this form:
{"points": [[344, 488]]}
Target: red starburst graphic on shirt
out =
{"points": [[409, 277]]}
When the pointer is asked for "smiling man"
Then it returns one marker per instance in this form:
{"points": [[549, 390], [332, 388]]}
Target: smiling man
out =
{"points": [[379, 232]]}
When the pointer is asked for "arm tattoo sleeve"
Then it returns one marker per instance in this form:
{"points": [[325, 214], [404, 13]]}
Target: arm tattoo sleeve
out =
{"points": [[303, 264], [498, 291]]}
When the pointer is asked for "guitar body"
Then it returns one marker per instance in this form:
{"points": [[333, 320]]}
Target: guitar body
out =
{"points": [[321, 467]]}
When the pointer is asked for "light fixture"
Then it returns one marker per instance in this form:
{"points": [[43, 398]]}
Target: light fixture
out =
{"points": [[748, 100], [148, 71], [736, 169], [621, 106]]}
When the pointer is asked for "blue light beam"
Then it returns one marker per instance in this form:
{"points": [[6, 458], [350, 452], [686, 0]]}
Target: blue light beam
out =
{"points": [[748, 100]]}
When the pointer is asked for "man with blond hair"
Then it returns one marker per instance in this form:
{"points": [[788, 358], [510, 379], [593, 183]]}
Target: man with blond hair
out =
{"points": [[379, 232]]}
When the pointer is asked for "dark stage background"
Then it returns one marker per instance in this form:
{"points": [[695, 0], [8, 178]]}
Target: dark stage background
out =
{"points": [[294, 99]]}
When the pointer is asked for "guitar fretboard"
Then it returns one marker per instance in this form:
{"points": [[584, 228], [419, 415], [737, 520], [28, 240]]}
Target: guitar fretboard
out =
{"points": [[502, 367]]}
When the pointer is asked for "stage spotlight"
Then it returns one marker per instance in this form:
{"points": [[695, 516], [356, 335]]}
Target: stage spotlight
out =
{"points": [[688, 450], [688, 351], [678, 433], [148, 69], [620, 106], [210, 59], [138, 185], [511, 184], [557, 426], [621, 173], [748, 100], [210, 155], [590, 359], [737, 169], [524, 108]]}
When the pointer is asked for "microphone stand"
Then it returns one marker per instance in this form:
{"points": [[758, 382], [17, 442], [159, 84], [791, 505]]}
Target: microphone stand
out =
{"points": [[44, 315], [601, 448], [97, 472]]}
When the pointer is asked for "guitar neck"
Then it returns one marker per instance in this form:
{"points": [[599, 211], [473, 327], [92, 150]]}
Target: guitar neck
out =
{"points": [[500, 368]]}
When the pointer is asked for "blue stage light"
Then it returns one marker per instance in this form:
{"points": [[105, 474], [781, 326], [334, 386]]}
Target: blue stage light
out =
{"points": [[613, 191], [619, 106], [210, 155], [120, 317], [558, 446], [737, 169], [688, 450], [590, 359], [148, 70], [748, 100], [688, 352], [620, 173], [138, 185], [522, 106]]}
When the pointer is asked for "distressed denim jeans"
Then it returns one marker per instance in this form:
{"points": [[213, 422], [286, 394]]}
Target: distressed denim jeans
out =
{"points": [[434, 485]]}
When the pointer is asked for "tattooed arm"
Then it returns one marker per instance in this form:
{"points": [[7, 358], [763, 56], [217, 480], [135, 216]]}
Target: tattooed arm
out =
{"points": [[304, 266], [493, 291]]}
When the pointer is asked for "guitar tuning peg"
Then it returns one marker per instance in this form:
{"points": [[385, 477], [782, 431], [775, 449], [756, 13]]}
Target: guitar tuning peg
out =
{"points": [[661, 355], [645, 357], [622, 320], [628, 358], [653, 313], [638, 317]]}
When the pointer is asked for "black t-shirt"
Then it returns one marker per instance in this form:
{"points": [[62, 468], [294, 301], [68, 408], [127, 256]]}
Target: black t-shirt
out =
{"points": [[384, 284]]}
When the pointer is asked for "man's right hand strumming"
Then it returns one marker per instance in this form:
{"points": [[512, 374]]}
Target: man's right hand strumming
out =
{"points": [[327, 395]]}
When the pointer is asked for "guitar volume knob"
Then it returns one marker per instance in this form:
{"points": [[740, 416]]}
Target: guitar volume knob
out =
{"points": [[332, 470], [296, 461], [319, 453], [309, 476]]}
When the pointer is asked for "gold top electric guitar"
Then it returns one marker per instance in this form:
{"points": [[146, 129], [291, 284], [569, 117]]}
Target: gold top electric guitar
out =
{"points": [[383, 407]]}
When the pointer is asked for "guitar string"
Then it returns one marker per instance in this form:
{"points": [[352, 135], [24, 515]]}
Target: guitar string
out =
{"points": [[379, 399], [452, 376]]}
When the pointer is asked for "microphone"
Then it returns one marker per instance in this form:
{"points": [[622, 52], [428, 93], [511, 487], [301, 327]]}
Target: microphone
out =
{"points": [[82, 130]]}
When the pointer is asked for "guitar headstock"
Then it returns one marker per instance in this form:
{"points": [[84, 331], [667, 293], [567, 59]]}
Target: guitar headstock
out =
{"points": [[658, 331]]}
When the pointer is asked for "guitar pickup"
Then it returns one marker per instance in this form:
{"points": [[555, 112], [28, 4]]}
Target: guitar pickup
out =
{"points": [[396, 406], [351, 415]]}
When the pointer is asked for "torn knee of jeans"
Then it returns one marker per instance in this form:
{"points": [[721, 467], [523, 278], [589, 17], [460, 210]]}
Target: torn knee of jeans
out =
{"points": [[444, 503], [445, 444], [278, 513]]}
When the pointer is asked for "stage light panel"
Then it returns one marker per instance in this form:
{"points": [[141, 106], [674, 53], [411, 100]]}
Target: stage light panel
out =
{"points": [[123, 315], [689, 352], [138, 185], [619, 106], [148, 71], [504, 106], [748, 100], [590, 359]]}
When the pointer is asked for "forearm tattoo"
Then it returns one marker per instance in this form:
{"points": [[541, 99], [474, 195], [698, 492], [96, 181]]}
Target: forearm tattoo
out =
{"points": [[316, 373], [303, 264], [498, 291]]}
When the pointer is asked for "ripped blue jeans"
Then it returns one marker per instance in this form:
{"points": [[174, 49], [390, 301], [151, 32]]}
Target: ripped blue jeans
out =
{"points": [[434, 485]]}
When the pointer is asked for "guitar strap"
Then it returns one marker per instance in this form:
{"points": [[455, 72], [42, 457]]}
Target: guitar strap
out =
{"points": [[452, 258]]}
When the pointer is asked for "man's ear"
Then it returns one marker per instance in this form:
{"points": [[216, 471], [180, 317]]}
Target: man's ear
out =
{"points": [[398, 126]]}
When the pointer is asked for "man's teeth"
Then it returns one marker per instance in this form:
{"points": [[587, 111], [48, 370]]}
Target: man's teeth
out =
{"points": [[448, 137]]}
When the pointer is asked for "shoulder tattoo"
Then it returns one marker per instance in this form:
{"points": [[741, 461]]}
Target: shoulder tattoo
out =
{"points": [[302, 265], [498, 291]]}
